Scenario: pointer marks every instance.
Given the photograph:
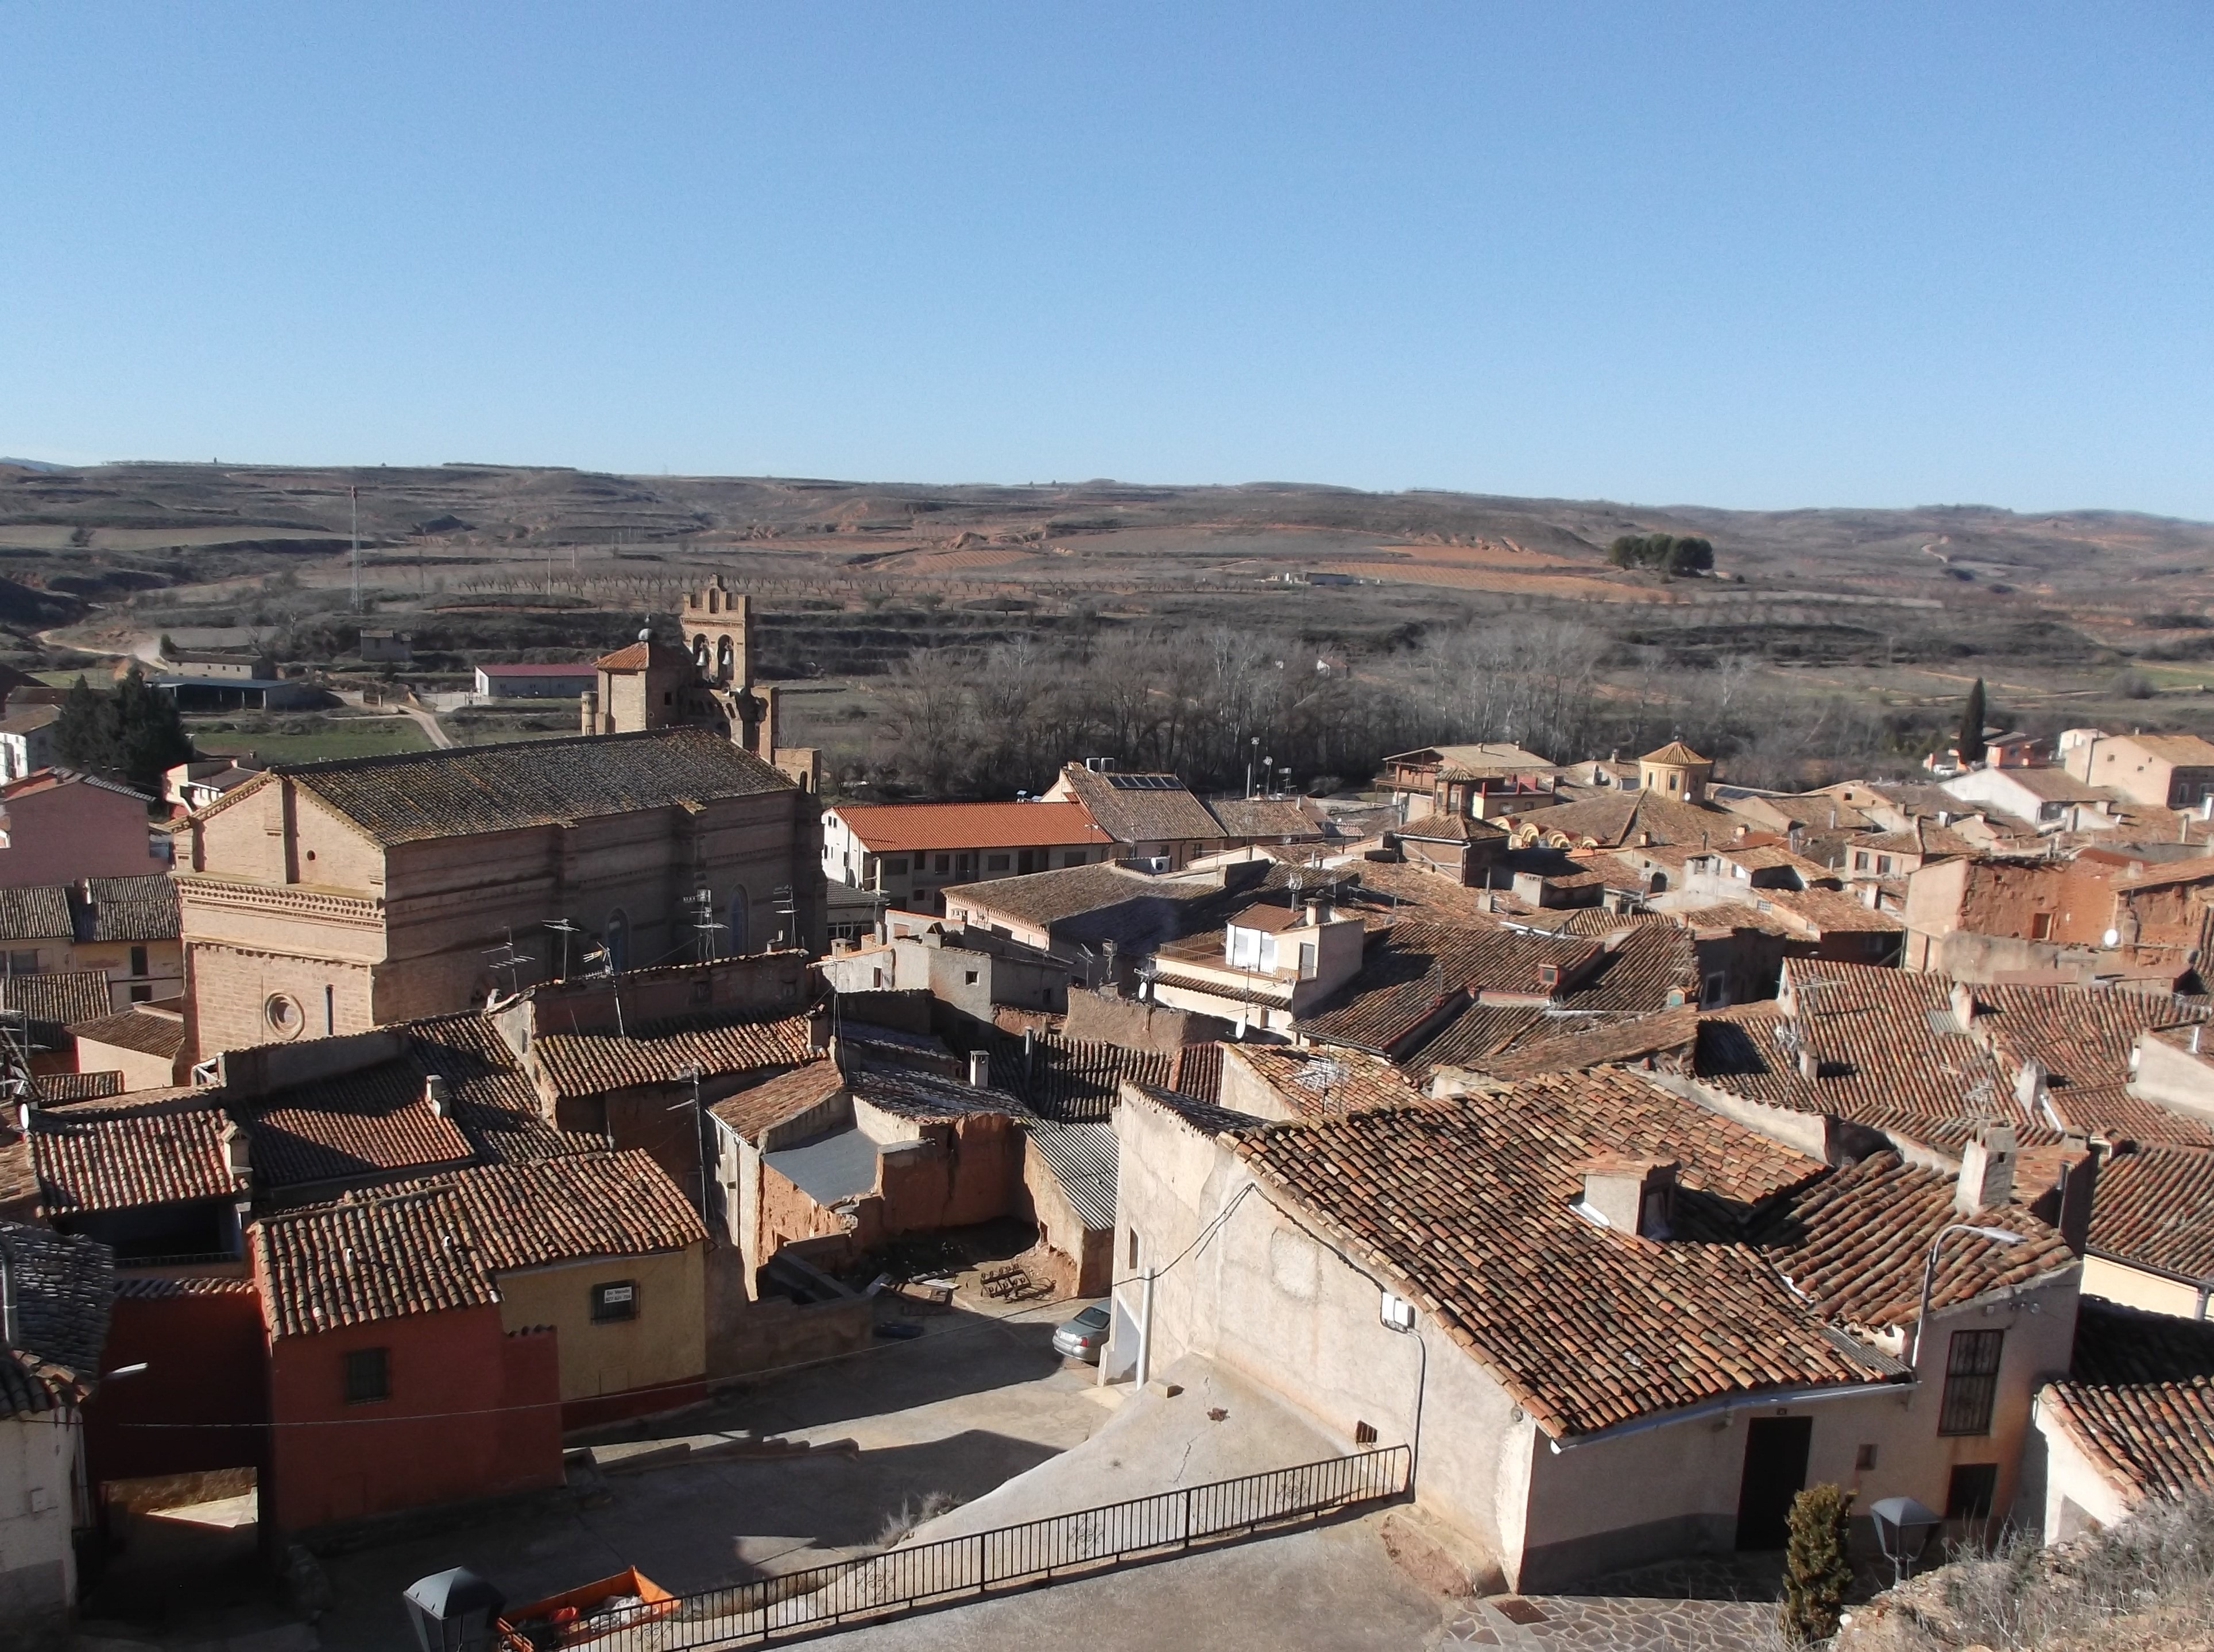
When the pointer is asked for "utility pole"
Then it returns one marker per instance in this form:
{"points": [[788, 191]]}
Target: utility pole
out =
{"points": [[353, 503]]}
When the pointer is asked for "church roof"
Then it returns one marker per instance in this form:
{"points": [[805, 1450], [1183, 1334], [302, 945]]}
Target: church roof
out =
{"points": [[1675, 752]]}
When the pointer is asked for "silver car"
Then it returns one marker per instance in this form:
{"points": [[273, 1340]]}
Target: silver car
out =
{"points": [[1084, 1336]]}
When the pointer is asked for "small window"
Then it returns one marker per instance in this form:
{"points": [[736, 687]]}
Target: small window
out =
{"points": [[995, 863], [969, 977], [894, 866], [368, 1376], [1971, 1382], [944, 863], [1074, 857], [1864, 1459], [1861, 861], [1364, 1434], [2040, 926], [616, 1300], [138, 960], [1970, 1493], [23, 963], [143, 993], [1134, 1247], [1883, 863]]}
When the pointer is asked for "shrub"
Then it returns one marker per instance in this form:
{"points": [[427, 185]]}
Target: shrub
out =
{"points": [[1817, 1571]]}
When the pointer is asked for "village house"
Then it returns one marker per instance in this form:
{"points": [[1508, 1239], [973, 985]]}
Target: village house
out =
{"points": [[1091, 917], [27, 739], [58, 826], [2151, 1239], [537, 681], [2134, 1421], [1658, 1388], [1416, 776], [1977, 917], [2166, 770], [910, 852], [327, 898], [972, 971], [57, 1292], [201, 781], [2043, 797], [1153, 819], [1274, 961], [125, 929]]}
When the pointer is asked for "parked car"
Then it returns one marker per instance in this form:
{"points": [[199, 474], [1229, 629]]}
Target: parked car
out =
{"points": [[1084, 1336]]}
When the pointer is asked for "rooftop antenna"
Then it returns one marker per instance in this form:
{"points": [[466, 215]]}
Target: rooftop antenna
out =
{"points": [[353, 505], [565, 928], [505, 957], [702, 900]]}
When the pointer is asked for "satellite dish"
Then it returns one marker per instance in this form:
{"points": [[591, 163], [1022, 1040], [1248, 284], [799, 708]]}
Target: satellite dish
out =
{"points": [[645, 635], [2112, 938]]}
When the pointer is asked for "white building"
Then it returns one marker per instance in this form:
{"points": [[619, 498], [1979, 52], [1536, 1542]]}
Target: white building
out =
{"points": [[26, 740], [54, 1298]]}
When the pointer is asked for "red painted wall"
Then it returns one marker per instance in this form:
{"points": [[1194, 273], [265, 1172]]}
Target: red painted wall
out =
{"points": [[474, 1412], [203, 1400]]}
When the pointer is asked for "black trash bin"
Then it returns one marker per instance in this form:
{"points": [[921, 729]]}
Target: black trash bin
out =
{"points": [[452, 1611]]}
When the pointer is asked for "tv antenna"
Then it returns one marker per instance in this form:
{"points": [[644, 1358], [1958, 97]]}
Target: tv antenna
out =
{"points": [[505, 957], [565, 928]]}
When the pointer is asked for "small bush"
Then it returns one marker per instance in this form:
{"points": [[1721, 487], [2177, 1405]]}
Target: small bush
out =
{"points": [[1817, 1570], [901, 1522], [2135, 685]]}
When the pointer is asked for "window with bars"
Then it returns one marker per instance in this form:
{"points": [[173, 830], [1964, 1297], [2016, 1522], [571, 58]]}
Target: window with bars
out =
{"points": [[368, 1376], [1971, 1382]]}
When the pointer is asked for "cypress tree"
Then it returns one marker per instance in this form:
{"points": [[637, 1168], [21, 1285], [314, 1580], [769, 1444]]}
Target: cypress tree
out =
{"points": [[1817, 1571], [1972, 725]]}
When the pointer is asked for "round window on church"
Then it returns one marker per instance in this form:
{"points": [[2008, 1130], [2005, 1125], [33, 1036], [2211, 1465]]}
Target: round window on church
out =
{"points": [[285, 1017]]}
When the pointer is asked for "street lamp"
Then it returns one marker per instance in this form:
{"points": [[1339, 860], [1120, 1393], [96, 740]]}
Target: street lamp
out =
{"points": [[1996, 1236], [1254, 752]]}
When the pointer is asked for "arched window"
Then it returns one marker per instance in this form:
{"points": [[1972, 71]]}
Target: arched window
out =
{"points": [[740, 921], [700, 652], [725, 660], [617, 940]]}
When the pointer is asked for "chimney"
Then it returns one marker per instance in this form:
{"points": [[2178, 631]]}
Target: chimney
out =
{"points": [[1318, 912], [980, 1069], [1987, 1170], [1810, 1065], [1631, 1196], [2029, 1085], [2079, 1181], [1963, 1002], [439, 1093], [237, 1153], [818, 1027]]}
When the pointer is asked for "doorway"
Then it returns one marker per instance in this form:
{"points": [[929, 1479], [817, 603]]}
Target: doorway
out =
{"points": [[1774, 1472]]}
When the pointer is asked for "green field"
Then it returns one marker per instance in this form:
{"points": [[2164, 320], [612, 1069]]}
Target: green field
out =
{"points": [[336, 737]]}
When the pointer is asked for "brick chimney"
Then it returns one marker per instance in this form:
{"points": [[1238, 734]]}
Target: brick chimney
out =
{"points": [[237, 1155], [1632, 1195], [1986, 1170]]}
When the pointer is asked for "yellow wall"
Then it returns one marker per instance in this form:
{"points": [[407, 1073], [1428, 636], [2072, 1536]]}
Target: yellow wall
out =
{"points": [[667, 1343], [2134, 1287]]}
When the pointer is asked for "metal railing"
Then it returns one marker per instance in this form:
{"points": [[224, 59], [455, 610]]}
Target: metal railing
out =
{"points": [[1035, 1553]]}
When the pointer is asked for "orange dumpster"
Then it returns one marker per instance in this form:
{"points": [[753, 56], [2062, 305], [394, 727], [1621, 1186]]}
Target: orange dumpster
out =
{"points": [[580, 1616]]}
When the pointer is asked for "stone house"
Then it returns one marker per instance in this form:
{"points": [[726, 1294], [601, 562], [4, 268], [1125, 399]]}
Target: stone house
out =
{"points": [[325, 898], [1656, 1388]]}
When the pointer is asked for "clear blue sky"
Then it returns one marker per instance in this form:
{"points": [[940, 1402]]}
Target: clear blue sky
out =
{"points": [[1759, 255]]}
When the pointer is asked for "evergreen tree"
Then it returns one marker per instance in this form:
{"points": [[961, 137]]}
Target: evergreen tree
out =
{"points": [[1817, 1571], [84, 732], [131, 734], [1972, 725]]}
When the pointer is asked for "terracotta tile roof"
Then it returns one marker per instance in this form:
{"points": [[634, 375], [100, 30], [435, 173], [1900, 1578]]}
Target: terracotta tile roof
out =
{"points": [[1727, 915], [1157, 906], [593, 1064], [465, 790], [1266, 817], [2083, 1038], [1203, 1116], [1674, 752], [1198, 1072], [117, 1158], [901, 828], [787, 1096], [1072, 1081], [582, 1205], [1450, 829], [2199, 869], [36, 912], [1137, 809], [130, 909], [61, 1087], [364, 1261], [63, 1287], [1327, 1083], [1584, 1326], [2149, 1440], [1615, 819], [1478, 1033], [1824, 912], [57, 999], [1855, 1242], [495, 1103], [1668, 1035], [374, 1123], [2155, 1208], [926, 1097], [2118, 1344], [2110, 1114], [1405, 887], [147, 1031], [644, 654], [1890, 1056], [2191, 750]]}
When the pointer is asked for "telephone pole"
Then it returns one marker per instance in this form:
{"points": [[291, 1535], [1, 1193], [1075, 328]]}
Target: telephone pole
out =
{"points": [[353, 503]]}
